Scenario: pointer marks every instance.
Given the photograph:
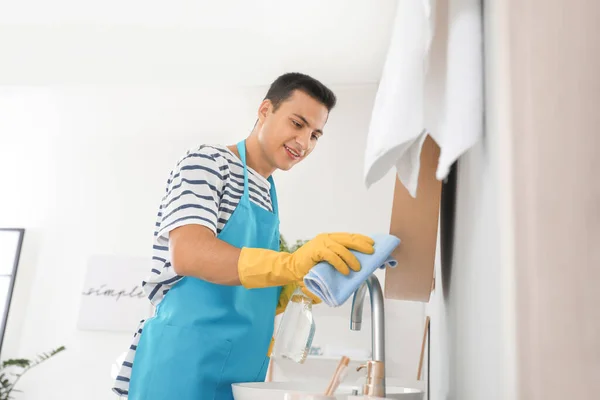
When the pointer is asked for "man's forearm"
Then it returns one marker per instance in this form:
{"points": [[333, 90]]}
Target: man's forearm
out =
{"points": [[195, 251]]}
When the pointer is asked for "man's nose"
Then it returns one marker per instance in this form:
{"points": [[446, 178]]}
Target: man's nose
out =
{"points": [[303, 139]]}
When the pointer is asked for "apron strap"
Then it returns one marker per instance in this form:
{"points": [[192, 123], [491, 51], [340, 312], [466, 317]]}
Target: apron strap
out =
{"points": [[273, 196], [241, 146]]}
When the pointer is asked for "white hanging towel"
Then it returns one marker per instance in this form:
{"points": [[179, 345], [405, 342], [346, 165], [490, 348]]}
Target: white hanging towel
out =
{"points": [[398, 125], [397, 121]]}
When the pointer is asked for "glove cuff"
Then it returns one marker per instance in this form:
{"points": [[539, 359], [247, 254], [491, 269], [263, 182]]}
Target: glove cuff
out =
{"points": [[260, 268]]}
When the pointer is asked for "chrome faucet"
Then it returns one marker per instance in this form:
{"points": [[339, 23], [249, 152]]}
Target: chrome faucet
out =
{"points": [[377, 321]]}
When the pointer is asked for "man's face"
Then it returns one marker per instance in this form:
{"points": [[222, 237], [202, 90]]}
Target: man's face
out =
{"points": [[290, 134]]}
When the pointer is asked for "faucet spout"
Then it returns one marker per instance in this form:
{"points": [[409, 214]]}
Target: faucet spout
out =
{"points": [[377, 315]]}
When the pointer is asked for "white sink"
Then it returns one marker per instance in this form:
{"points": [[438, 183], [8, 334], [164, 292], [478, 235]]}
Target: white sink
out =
{"points": [[277, 390]]}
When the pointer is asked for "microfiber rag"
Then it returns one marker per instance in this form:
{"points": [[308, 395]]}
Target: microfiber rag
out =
{"points": [[335, 288]]}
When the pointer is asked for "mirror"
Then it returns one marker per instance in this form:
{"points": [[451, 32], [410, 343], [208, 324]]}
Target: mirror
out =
{"points": [[11, 240]]}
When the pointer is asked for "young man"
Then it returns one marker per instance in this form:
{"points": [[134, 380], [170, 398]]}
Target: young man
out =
{"points": [[218, 278]]}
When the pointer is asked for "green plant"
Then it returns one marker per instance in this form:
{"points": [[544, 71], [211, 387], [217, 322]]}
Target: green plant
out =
{"points": [[283, 245], [12, 370]]}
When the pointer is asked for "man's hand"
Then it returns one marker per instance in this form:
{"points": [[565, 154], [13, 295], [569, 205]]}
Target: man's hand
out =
{"points": [[264, 268]]}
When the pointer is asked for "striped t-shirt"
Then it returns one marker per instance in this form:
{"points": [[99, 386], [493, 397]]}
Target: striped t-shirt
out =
{"points": [[204, 188]]}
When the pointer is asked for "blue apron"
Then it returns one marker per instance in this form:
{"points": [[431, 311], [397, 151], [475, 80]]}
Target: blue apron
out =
{"points": [[203, 336]]}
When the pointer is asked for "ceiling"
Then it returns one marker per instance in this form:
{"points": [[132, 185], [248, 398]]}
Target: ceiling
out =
{"points": [[192, 42]]}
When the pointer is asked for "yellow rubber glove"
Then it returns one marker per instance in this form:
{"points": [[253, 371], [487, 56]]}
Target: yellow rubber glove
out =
{"points": [[258, 268]]}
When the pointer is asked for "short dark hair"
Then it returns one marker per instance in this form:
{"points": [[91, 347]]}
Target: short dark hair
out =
{"points": [[283, 87]]}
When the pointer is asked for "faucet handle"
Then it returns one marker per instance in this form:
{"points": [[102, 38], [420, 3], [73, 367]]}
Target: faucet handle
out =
{"points": [[374, 384], [375, 369]]}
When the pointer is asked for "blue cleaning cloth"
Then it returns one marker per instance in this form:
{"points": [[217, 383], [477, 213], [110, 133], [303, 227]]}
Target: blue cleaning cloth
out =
{"points": [[335, 288]]}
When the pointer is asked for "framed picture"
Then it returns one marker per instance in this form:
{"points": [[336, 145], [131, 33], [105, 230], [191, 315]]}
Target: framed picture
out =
{"points": [[112, 298], [11, 240]]}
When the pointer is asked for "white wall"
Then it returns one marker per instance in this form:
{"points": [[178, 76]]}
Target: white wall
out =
{"points": [[472, 328], [467, 328], [142, 41], [83, 169]]}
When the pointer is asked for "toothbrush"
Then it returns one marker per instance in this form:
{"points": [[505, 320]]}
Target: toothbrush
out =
{"points": [[338, 376]]}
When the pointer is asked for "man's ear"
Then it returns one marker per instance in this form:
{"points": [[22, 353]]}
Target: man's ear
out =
{"points": [[264, 109]]}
